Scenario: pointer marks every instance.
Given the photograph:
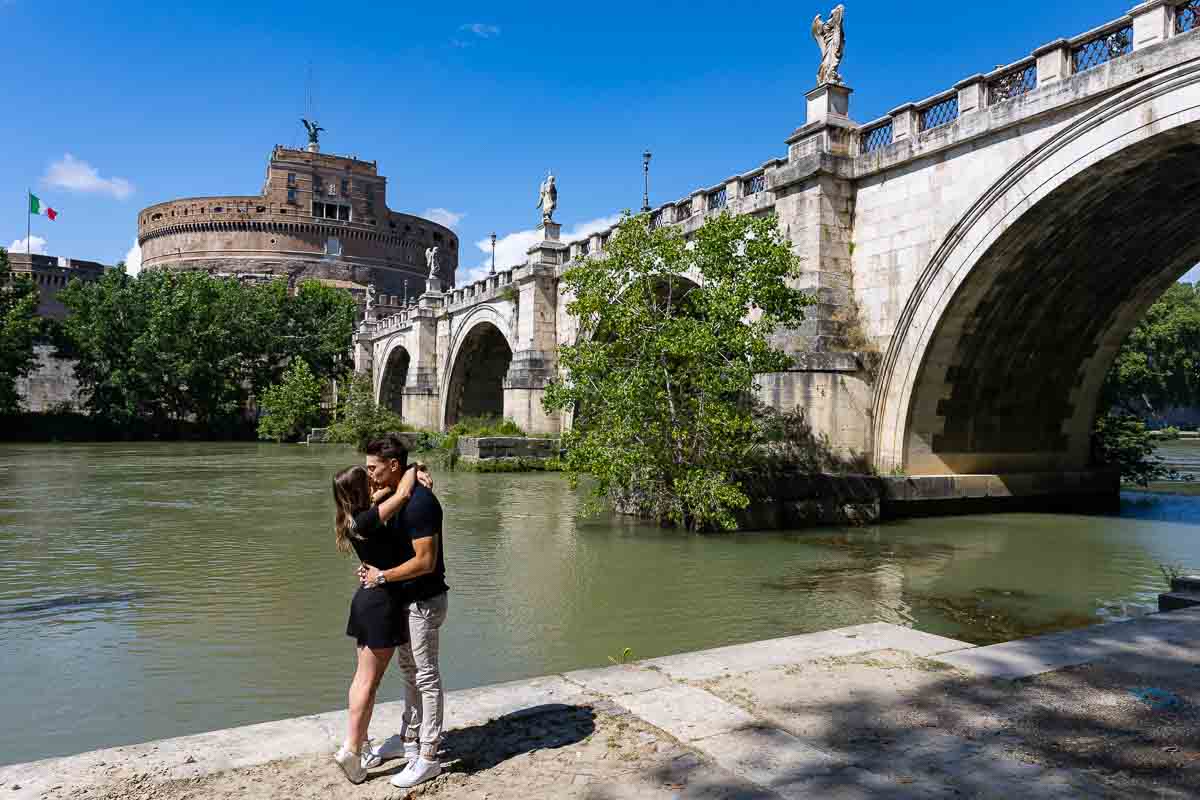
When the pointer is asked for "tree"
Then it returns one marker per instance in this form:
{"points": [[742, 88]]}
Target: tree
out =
{"points": [[1122, 440], [19, 329], [318, 324], [291, 407], [103, 322], [167, 349], [663, 370], [358, 418], [1158, 364]]}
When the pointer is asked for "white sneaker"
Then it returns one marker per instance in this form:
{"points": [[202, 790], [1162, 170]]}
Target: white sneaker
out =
{"points": [[418, 771], [395, 746], [351, 764]]}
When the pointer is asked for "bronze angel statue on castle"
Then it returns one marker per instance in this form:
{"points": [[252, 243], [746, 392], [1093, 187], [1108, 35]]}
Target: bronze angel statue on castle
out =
{"points": [[314, 131], [832, 41]]}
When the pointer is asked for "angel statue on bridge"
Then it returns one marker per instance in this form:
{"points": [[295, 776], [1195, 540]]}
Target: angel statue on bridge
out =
{"points": [[832, 41], [547, 198]]}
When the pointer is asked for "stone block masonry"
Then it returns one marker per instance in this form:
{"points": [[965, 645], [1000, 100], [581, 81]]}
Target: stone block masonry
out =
{"points": [[508, 453]]}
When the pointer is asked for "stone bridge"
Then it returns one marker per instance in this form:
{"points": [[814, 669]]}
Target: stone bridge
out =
{"points": [[978, 257]]}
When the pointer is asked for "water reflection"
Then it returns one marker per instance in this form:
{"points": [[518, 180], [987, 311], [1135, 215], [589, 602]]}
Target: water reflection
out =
{"points": [[164, 589]]}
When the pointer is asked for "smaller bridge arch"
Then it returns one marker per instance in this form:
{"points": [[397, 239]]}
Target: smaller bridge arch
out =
{"points": [[393, 376], [480, 356]]}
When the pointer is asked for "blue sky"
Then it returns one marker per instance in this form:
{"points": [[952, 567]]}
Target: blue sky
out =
{"points": [[111, 107]]}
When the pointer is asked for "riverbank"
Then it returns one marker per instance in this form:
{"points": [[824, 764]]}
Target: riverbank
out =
{"points": [[870, 710]]}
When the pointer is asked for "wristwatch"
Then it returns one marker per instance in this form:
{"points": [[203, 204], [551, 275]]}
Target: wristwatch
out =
{"points": [[380, 579]]}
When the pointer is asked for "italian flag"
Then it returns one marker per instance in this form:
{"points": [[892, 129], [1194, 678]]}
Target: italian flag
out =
{"points": [[36, 206]]}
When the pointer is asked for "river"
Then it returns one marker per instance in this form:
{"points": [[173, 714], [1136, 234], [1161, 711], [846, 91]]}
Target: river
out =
{"points": [[153, 590]]}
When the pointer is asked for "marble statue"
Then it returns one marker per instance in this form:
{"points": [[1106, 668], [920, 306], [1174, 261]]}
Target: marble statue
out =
{"points": [[548, 198], [431, 261], [371, 293], [832, 41]]}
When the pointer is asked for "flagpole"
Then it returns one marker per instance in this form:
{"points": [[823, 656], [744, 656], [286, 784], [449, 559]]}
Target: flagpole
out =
{"points": [[28, 217]]}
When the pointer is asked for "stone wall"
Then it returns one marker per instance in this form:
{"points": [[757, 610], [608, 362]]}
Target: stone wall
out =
{"points": [[52, 274], [511, 447], [51, 386]]}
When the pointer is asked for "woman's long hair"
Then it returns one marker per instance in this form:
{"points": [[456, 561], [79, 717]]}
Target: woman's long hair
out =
{"points": [[351, 495]]}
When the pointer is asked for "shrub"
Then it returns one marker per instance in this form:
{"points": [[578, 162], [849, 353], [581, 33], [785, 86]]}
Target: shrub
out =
{"points": [[358, 418]]}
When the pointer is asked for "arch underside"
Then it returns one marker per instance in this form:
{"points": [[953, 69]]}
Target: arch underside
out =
{"points": [[476, 386], [395, 376], [1011, 377]]}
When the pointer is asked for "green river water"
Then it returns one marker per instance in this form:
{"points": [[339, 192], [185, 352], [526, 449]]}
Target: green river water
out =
{"points": [[153, 590]]}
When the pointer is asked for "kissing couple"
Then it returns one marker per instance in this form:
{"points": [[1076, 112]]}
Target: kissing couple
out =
{"points": [[388, 516]]}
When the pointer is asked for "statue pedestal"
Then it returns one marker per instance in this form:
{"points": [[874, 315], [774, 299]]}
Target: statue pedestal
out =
{"points": [[826, 101], [550, 231], [433, 285]]}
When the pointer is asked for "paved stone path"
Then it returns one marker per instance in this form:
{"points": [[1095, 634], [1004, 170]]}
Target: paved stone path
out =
{"points": [[869, 711]]}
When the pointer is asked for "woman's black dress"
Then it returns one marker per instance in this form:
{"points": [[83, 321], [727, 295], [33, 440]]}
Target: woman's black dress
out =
{"points": [[377, 613]]}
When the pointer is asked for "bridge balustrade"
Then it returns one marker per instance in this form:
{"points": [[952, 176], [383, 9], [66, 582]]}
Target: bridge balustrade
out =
{"points": [[941, 112], [1102, 47], [877, 135], [1081, 53], [1012, 83]]}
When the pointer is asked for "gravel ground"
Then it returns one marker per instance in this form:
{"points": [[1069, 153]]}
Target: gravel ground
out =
{"points": [[591, 752]]}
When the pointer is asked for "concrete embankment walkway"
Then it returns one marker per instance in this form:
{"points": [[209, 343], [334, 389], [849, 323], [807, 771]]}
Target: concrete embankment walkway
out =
{"points": [[872, 710]]}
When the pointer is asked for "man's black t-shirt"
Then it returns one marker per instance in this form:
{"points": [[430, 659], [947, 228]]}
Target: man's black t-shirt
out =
{"points": [[422, 518]]}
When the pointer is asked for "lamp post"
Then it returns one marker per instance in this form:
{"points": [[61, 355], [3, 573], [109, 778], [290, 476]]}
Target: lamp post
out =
{"points": [[406, 291], [493, 238], [645, 182]]}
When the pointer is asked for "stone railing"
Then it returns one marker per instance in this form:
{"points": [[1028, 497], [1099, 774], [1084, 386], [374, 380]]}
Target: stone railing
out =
{"points": [[1147, 24], [748, 192], [473, 292]]}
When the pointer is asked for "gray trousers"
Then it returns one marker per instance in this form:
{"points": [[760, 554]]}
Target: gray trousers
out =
{"points": [[418, 662]]}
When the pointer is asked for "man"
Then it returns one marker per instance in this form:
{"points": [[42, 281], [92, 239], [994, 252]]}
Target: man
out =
{"points": [[422, 579]]}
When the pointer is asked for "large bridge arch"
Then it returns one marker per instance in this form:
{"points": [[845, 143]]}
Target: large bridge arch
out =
{"points": [[998, 357], [480, 355]]}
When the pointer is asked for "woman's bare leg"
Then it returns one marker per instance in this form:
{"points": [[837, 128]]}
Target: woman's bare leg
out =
{"points": [[371, 666]]}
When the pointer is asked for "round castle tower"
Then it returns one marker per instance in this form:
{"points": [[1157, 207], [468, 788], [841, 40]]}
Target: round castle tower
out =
{"points": [[318, 216]]}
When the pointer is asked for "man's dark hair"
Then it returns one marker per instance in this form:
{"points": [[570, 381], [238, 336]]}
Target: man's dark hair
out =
{"points": [[387, 448]]}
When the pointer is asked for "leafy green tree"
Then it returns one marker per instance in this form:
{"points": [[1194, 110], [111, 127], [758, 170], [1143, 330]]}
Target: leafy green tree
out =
{"points": [[19, 329], [358, 418], [663, 369], [1122, 440], [1158, 364], [169, 348], [292, 406], [317, 323]]}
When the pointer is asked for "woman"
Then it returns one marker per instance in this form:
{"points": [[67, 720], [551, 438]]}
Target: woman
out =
{"points": [[364, 523]]}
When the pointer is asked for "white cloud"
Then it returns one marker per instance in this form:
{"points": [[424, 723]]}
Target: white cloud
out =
{"points": [[133, 259], [443, 216], [512, 249], [76, 175], [481, 29], [38, 245]]}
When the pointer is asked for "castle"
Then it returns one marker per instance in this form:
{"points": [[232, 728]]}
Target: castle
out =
{"points": [[319, 216]]}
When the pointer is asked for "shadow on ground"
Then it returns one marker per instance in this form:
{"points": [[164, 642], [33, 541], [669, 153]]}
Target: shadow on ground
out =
{"points": [[888, 724], [544, 727]]}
